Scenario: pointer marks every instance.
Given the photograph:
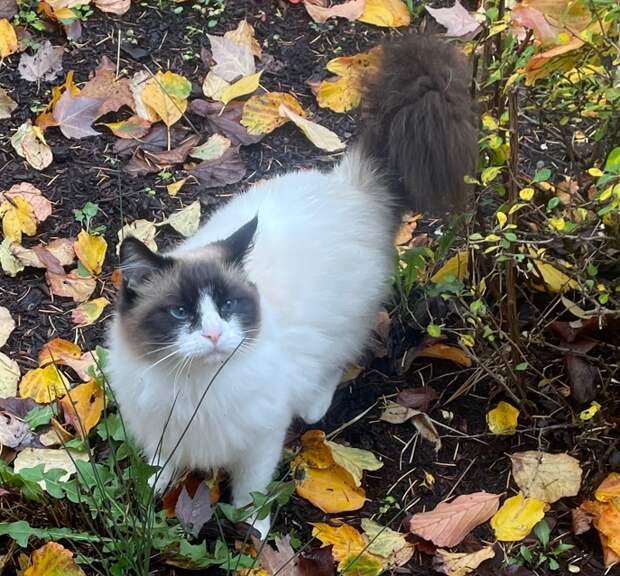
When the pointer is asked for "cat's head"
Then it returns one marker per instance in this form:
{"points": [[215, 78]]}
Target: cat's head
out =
{"points": [[195, 305]]}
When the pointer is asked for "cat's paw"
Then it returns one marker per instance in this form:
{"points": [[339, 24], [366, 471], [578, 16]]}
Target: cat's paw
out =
{"points": [[316, 410], [263, 526], [160, 480]]}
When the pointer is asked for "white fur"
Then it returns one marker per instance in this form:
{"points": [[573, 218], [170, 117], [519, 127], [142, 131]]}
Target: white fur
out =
{"points": [[321, 261]]}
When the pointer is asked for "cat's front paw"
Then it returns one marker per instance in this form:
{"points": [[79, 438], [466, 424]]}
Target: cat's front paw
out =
{"points": [[316, 410], [160, 480], [263, 526]]}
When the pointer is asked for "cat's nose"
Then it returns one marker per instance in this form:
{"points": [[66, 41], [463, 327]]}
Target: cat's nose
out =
{"points": [[213, 335]]}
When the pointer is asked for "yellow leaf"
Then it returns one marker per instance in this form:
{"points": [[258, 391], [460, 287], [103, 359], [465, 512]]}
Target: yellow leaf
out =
{"points": [[241, 87], [554, 280], [389, 13], [91, 249], [166, 93], [261, 114], [173, 189], [214, 86], [8, 39], [489, 122], [17, 219], [516, 518], [9, 376], [82, 407], [446, 352], [88, 313], [557, 223], [354, 460], [243, 34], [501, 219], [132, 128], [143, 230], [455, 267], [320, 136], [52, 559], [502, 420], [63, 352], [590, 411], [44, 384], [186, 220], [596, 172], [29, 142]]}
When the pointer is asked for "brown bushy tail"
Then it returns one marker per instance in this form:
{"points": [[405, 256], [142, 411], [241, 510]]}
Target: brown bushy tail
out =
{"points": [[420, 123]]}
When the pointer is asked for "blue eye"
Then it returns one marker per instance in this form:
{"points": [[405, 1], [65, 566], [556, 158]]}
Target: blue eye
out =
{"points": [[179, 313], [228, 307]]}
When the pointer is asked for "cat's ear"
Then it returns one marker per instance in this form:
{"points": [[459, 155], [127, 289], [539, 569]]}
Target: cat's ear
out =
{"points": [[138, 262], [239, 243]]}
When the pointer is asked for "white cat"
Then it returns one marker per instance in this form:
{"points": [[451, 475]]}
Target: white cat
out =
{"points": [[219, 343]]}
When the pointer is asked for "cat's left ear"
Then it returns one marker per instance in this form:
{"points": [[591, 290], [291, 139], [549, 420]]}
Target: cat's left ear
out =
{"points": [[138, 262], [238, 244]]}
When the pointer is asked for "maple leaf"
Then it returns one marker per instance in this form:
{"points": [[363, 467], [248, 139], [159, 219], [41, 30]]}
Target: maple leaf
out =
{"points": [[75, 115], [226, 119], [45, 64], [244, 34], [233, 60], [143, 230], [456, 20], [82, 407], [194, 512], [114, 92]]}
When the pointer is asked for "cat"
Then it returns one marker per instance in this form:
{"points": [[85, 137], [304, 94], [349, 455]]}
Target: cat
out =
{"points": [[219, 343]]}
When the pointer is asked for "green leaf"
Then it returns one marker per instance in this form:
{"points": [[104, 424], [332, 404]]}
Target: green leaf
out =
{"points": [[489, 174], [21, 532], [522, 367], [542, 175], [40, 415], [542, 532], [553, 564], [434, 330], [525, 552], [613, 161], [28, 489], [553, 203]]}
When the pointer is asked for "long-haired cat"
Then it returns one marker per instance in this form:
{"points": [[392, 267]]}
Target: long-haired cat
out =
{"points": [[278, 291]]}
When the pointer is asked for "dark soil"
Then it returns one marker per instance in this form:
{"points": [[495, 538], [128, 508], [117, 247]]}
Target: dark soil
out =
{"points": [[88, 170]]}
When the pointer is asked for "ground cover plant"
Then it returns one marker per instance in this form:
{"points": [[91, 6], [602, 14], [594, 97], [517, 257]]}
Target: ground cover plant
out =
{"points": [[479, 434]]}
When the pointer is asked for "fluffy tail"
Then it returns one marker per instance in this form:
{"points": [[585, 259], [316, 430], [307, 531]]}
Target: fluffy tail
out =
{"points": [[420, 124]]}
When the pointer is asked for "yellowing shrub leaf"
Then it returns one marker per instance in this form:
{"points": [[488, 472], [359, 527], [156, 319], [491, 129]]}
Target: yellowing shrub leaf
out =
{"points": [[455, 267], [516, 518], [502, 420], [91, 249]]}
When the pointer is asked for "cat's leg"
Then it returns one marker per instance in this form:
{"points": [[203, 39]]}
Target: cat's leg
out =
{"points": [[253, 471], [317, 406]]}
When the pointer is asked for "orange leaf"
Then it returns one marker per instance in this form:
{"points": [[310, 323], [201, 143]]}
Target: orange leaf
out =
{"points": [[608, 488], [445, 352], [63, 352], [82, 407], [345, 539], [607, 522], [53, 559]]}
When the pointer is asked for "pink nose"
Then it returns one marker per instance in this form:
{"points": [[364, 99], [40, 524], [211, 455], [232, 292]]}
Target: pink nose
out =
{"points": [[213, 335]]}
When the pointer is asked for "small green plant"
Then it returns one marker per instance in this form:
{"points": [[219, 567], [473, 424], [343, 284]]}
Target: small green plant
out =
{"points": [[85, 216], [28, 15], [389, 504], [543, 552]]}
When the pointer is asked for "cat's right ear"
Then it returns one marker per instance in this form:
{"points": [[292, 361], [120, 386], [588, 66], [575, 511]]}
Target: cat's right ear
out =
{"points": [[138, 262]]}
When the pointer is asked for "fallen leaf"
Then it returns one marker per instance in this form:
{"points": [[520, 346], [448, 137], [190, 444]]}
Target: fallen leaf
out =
{"points": [[45, 119], [52, 559], [7, 325], [227, 169], [517, 517], [281, 560], [186, 220], [396, 414], [113, 92], [261, 114], [502, 419], [133, 127], [446, 352], [82, 407], [63, 352], [113, 6], [226, 120], [455, 268], [7, 105], [320, 136], [143, 230], [137, 83], [91, 249], [213, 86], [408, 225], [456, 20], [71, 285], [417, 398], [45, 64], [427, 429], [582, 377], [89, 312], [8, 39], [320, 480], [166, 93], [461, 563], [41, 206], [44, 385], [212, 149], [546, 477], [52, 459], [354, 460], [75, 114], [9, 376], [17, 219], [14, 432], [552, 279], [241, 87], [29, 143], [244, 35], [8, 9], [53, 256], [581, 521], [387, 543], [11, 265], [449, 522], [351, 10], [388, 13], [194, 512], [606, 516], [145, 162], [609, 488], [233, 60]]}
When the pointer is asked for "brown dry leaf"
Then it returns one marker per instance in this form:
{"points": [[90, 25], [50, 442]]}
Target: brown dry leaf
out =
{"points": [[408, 225], [104, 85], [449, 522], [52, 559], [8, 39], [45, 64], [113, 6], [44, 385], [351, 10], [546, 477], [446, 352], [7, 325], [71, 285], [396, 414], [7, 105], [427, 430], [166, 93], [82, 407], [319, 479], [9, 376], [461, 563], [417, 398], [456, 20], [14, 432], [74, 115], [53, 256], [29, 143], [89, 312], [581, 521], [91, 249], [261, 114], [244, 35], [225, 120], [227, 169], [320, 136], [133, 127], [63, 352], [8, 9], [233, 60], [388, 13], [280, 560]]}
